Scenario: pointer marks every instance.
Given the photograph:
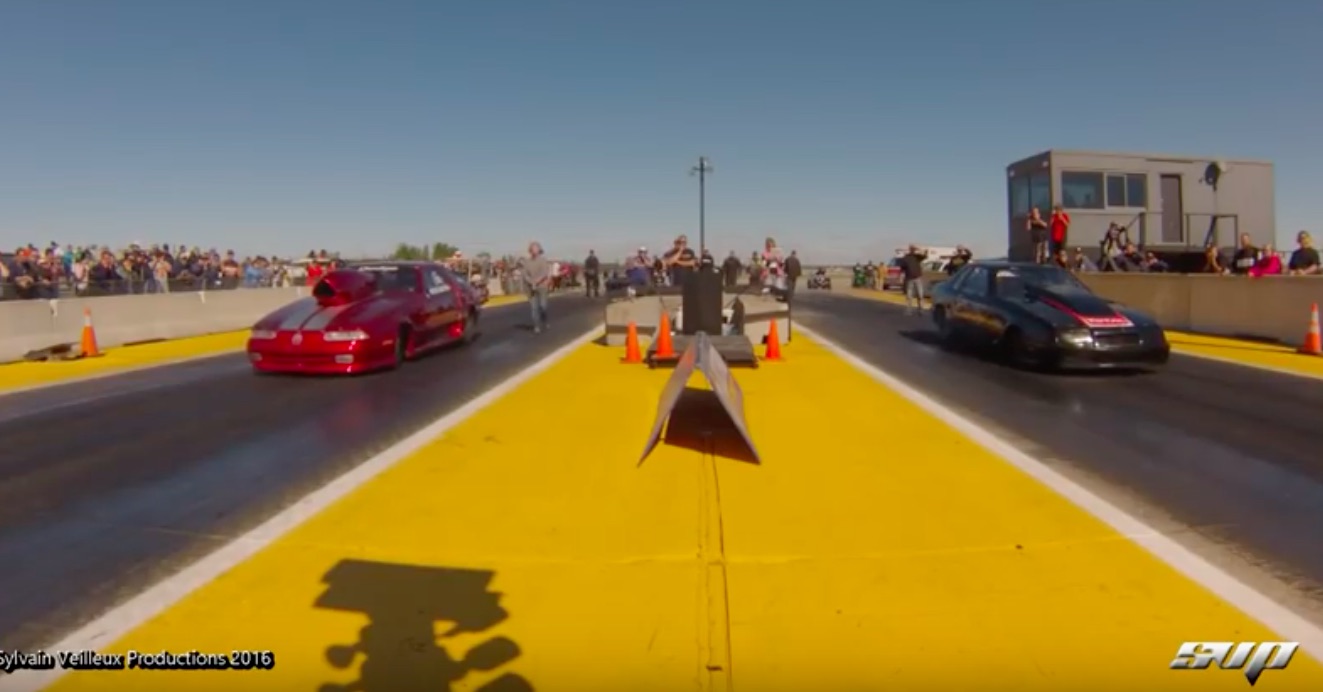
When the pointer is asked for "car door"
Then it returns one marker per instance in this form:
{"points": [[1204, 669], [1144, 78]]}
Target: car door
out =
{"points": [[957, 305], [946, 301], [405, 283], [442, 301], [973, 309], [464, 292]]}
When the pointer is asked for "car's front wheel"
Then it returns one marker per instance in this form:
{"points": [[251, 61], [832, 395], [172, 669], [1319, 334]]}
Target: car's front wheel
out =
{"points": [[401, 347], [1016, 351]]}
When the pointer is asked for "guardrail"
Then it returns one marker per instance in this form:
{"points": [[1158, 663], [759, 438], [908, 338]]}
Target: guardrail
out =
{"points": [[29, 325], [1273, 307]]}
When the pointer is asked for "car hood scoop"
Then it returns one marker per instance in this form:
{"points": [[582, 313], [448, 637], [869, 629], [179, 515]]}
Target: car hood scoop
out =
{"points": [[342, 287]]}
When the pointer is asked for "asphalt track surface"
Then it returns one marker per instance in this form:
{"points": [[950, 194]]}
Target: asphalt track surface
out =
{"points": [[108, 485], [1220, 455]]}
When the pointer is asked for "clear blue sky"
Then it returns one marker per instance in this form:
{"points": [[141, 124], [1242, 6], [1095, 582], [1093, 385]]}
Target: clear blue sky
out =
{"points": [[838, 126]]}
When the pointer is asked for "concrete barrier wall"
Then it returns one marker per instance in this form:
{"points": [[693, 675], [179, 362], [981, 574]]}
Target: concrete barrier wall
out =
{"points": [[36, 324], [1274, 308]]}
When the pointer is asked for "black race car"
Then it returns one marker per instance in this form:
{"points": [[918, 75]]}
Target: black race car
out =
{"points": [[1042, 316]]}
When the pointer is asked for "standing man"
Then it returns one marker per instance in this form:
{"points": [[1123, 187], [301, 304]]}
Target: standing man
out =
{"points": [[591, 278], [680, 260], [537, 279], [1037, 228], [730, 269], [911, 267], [793, 271]]}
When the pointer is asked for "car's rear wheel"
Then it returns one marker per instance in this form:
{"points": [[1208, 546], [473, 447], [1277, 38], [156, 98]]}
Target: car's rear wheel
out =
{"points": [[470, 328]]}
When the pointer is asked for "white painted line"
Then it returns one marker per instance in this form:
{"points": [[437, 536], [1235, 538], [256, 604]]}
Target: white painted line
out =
{"points": [[124, 618], [1286, 623]]}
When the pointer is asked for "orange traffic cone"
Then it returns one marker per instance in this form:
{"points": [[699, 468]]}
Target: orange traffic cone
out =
{"points": [[89, 336], [632, 352], [1313, 345], [773, 343], [665, 349]]}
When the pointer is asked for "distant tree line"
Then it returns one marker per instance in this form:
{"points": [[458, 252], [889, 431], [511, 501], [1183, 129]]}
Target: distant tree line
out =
{"points": [[438, 251]]}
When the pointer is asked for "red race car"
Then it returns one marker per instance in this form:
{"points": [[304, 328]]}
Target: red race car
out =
{"points": [[366, 317]]}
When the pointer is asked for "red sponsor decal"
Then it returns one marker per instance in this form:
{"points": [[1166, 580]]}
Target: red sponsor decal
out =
{"points": [[1102, 322], [1112, 321]]}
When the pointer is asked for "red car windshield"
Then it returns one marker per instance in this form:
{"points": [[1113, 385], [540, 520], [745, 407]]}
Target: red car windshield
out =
{"points": [[393, 278]]}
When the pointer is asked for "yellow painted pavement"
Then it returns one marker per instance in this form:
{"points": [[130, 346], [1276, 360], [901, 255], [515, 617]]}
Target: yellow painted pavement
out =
{"points": [[125, 358], [594, 558], [1269, 355], [122, 359], [1273, 356], [873, 548]]}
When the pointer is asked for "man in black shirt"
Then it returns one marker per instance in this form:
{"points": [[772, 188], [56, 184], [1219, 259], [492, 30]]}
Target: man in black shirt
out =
{"points": [[794, 270], [911, 266], [730, 269], [1304, 260], [1245, 257], [680, 260], [591, 275], [959, 260]]}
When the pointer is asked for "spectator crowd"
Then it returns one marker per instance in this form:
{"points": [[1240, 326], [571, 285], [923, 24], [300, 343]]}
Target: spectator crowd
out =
{"points": [[769, 269], [1118, 253], [61, 271]]}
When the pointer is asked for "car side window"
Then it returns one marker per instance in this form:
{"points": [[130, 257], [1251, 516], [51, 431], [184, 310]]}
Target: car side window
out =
{"points": [[436, 283], [975, 283], [450, 275], [958, 279], [406, 279]]}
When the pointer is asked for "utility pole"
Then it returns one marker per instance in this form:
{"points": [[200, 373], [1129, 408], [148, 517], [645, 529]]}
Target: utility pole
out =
{"points": [[703, 168]]}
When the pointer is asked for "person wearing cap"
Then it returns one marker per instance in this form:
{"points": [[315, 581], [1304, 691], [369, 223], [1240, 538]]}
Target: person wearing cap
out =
{"points": [[680, 261], [638, 268]]}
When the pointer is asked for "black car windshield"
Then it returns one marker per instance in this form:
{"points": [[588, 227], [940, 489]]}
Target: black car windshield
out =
{"points": [[1048, 278], [391, 278]]}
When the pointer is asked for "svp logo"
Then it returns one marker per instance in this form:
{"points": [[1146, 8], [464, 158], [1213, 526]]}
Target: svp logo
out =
{"points": [[1252, 657]]}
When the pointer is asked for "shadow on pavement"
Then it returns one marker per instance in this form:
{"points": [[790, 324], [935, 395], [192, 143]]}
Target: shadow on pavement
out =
{"points": [[699, 423], [399, 648], [989, 356]]}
